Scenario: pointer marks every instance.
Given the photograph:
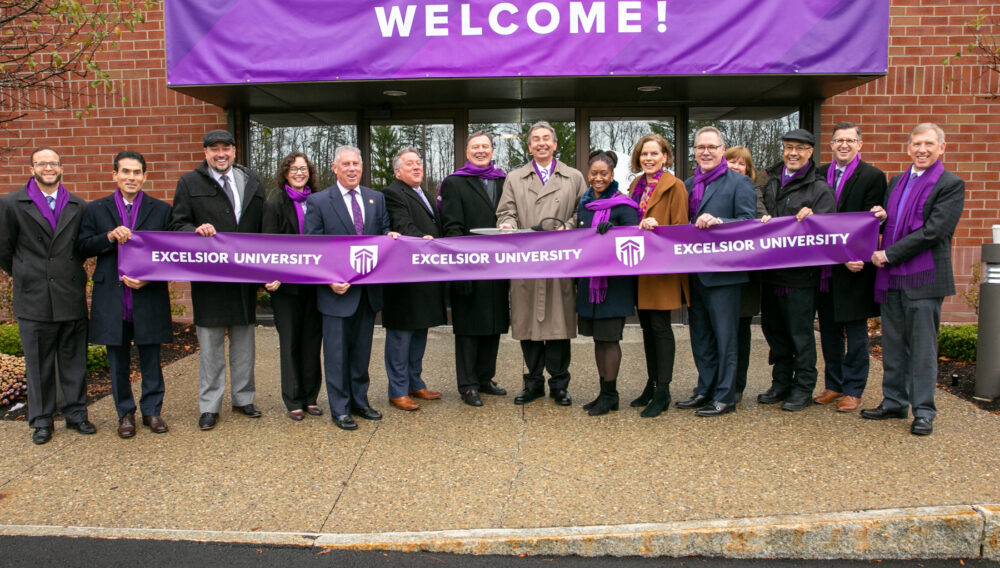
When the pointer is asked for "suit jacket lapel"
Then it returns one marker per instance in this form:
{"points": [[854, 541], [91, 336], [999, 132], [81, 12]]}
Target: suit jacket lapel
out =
{"points": [[35, 214], [369, 204], [412, 194], [71, 210], [710, 191], [479, 190], [145, 208], [340, 208], [241, 185]]}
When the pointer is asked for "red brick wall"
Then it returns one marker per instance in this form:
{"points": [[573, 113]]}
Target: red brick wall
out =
{"points": [[920, 88]]}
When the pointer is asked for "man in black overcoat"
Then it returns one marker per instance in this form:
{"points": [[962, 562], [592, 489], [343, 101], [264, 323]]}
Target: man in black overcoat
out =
{"points": [[124, 310]]}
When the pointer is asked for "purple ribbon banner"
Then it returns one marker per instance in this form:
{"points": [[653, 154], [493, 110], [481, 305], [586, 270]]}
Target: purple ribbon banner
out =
{"points": [[309, 259]]}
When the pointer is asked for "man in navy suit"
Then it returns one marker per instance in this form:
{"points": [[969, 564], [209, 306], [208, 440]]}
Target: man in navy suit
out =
{"points": [[348, 311], [921, 210], [716, 195], [108, 223]]}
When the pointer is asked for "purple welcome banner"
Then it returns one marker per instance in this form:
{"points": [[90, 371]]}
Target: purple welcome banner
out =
{"points": [[269, 41], [305, 259]]}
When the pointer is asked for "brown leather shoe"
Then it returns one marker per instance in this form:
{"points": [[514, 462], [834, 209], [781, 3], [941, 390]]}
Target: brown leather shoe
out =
{"points": [[404, 403], [126, 426], [425, 394], [848, 404], [155, 423], [827, 397]]}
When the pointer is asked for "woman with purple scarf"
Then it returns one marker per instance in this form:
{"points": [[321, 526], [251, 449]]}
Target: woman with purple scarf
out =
{"points": [[299, 324], [603, 303]]}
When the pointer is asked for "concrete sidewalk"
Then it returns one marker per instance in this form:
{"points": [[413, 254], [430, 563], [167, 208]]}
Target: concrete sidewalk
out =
{"points": [[537, 479]]}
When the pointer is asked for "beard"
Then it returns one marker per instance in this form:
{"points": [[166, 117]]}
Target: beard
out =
{"points": [[41, 182]]}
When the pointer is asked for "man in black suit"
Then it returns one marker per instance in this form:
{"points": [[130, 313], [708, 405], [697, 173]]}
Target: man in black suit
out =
{"points": [[116, 300], [480, 309], [410, 308], [921, 210], [39, 226], [347, 208], [716, 195], [221, 196], [847, 291]]}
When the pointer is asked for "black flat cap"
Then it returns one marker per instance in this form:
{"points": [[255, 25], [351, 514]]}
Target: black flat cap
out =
{"points": [[800, 135], [218, 136]]}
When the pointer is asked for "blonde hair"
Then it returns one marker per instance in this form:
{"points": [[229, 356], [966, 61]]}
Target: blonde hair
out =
{"points": [[743, 154]]}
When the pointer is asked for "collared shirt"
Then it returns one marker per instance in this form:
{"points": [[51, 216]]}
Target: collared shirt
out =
{"points": [[237, 203], [349, 202]]}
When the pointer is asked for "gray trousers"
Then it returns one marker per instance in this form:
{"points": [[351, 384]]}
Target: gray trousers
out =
{"points": [[909, 353], [212, 371]]}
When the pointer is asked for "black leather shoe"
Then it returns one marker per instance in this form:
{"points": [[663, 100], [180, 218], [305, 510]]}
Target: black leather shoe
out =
{"points": [[471, 398], [83, 427], [880, 413], [922, 427], [797, 403], [696, 401], [207, 420], [715, 408], [772, 396], [248, 410], [41, 435], [527, 395], [492, 388], [561, 397], [345, 422], [368, 413]]}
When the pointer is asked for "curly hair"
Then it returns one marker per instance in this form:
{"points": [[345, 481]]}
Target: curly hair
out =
{"points": [[281, 178]]}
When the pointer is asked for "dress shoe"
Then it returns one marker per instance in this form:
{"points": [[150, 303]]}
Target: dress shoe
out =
{"points": [[646, 395], [41, 435], [155, 423], [880, 413], [83, 427], [404, 403], [660, 402], [314, 410], [528, 395], [772, 396], [607, 400], [561, 397], [848, 404], [126, 426], [248, 410], [696, 401], [345, 422], [425, 394], [492, 388], [715, 408], [297, 414], [471, 397], [922, 427], [207, 420], [368, 413], [797, 403], [827, 397]]}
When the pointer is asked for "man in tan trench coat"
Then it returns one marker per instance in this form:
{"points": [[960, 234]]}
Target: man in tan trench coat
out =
{"points": [[543, 317]]}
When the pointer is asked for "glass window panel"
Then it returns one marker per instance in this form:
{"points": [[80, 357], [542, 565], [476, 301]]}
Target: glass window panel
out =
{"points": [[758, 129], [434, 140], [272, 137], [621, 135], [510, 140]]}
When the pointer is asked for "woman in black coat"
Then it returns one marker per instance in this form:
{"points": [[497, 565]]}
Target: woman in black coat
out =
{"points": [[299, 324], [603, 303]]}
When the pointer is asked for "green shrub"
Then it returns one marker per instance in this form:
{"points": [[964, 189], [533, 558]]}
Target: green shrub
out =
{"points": [[958, 342], [10, 339], [97, 357], [12, 383]]}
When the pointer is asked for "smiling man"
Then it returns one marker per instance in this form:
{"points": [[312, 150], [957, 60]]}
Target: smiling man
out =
{"points": [[921, 210]]}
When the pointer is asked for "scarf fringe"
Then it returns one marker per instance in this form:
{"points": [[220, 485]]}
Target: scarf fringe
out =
{"points": [[598, 289]]}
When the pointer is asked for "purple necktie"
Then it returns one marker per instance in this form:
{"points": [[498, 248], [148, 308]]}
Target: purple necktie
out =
{"points": [[359, 220]]}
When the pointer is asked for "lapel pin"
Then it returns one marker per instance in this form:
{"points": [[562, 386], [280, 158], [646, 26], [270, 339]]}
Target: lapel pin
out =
{"points": [[371, 201]]}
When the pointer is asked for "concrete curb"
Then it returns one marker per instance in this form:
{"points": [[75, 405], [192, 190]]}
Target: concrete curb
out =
{"points": [[961, 531]]}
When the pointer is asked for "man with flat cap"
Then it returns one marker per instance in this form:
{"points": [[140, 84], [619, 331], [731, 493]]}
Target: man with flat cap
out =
{"points": [[221, 196]]}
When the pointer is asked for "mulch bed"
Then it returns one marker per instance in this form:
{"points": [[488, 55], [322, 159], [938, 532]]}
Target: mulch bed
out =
{"points": [[99, 382]]}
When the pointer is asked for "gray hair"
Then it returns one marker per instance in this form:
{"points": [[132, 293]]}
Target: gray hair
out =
{"points": [[343, 150], [542, 124], [477, 134], [704, 129], [924, 127], [397, 160]]}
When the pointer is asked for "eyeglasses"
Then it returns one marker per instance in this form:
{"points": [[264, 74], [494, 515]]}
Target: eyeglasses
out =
{"points": [[712, 148], [43, 165], [849, 141], [798, 148], [302, 169]]}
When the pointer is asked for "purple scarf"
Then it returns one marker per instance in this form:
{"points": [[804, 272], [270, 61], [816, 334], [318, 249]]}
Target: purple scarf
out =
{"points": [[701, 180], [643, 190], [785, 180], [298, 201], [36, 195], [602, 212], [472, 170], [552, 170], [826, 273], [902, 220], [128, 221]]}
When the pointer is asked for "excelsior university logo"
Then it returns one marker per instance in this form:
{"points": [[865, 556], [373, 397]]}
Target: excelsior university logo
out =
{"points": [[364, 258], [630, 250]]}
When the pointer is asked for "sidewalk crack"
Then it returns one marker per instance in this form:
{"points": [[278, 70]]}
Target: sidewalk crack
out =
{"points": [[350, 476], [516, 460]]}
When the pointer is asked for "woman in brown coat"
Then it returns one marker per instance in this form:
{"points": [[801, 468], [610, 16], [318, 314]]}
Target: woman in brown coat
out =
{"points": [[663, 200]]}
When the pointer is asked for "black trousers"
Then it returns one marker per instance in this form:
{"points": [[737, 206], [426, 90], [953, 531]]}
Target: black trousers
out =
{"points": [[300, 336], [658, 344], [45, 342], [475, 360], [742, 355], [787, 323], [846, 365], [552, 355], [119, 363]]}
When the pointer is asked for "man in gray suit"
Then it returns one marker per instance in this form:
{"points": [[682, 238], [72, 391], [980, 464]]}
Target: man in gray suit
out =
{"points": [[38, 226], [921, 210]]}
